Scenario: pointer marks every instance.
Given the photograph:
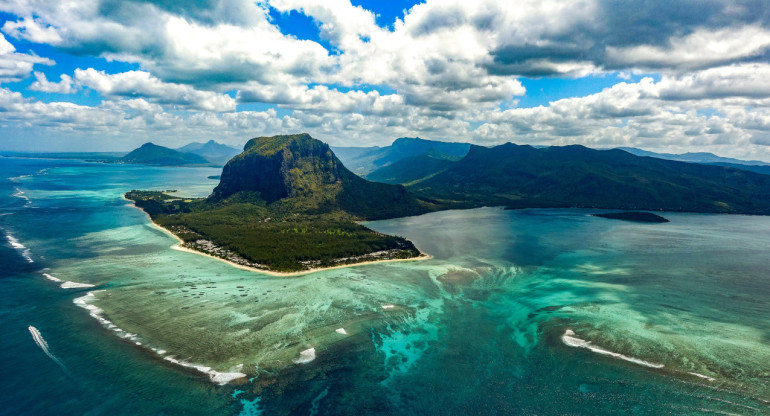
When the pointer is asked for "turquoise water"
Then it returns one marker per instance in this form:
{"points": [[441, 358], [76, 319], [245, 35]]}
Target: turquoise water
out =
{"points": [[664, 318]]}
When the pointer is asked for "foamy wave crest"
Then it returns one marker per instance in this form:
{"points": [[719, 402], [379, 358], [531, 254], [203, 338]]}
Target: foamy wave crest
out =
{"points": [[67, 284], [52, 278], [220, 378], [703, 376], [570, 339], [75, 285], [20, 194], [40, 341], [20, 247], [97, 313], [306, 356]]}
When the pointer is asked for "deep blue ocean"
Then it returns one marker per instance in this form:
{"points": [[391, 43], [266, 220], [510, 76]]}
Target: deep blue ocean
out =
{"points": [[546, 312]]}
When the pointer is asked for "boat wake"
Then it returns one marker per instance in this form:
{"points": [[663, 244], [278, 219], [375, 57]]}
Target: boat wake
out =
{"points": [[41, 342], [570, 339]]}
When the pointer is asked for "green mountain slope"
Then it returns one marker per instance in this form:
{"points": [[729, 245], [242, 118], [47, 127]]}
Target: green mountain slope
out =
{"points": [[153, 154], [304, 175], [410, 169], [576, 176], [363, 161]]}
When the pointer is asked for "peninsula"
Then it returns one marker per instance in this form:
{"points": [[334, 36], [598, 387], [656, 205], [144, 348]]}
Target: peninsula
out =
{"points": [[287, 204]]}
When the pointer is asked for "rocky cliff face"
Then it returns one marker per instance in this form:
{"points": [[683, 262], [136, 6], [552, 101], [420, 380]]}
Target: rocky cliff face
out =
{"points": [[305, 172]]}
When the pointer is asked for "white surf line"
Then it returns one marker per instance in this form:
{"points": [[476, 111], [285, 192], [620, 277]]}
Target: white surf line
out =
{"points": [[40, 341], [75, 285], [569, 339], [52, 278], [25, 252], [702, 376], [67, 284], [97, 313]]}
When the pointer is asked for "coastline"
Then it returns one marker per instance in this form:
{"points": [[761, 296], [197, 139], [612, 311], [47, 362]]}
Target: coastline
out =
{"points": [[178, 247]]}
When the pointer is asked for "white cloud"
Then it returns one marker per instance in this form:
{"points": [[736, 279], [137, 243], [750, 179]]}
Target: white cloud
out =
{"points": [[64, 86], [702, 48], [143, 84], [30, 29], [15, 66], [447, 68]]}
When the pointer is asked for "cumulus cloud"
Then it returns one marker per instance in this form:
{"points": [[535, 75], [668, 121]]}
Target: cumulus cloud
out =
{"points": [[15, 66], [448, 69], [702, 48], [30, 29], [64, 86], [143, 84]]}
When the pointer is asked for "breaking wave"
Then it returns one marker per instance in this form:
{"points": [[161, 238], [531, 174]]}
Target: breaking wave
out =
{"points": [[571, 340], [25, 252], [97, 313]]}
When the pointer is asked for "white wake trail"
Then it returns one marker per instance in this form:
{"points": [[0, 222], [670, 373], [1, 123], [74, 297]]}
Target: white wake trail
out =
{"points": [[40, 341]]}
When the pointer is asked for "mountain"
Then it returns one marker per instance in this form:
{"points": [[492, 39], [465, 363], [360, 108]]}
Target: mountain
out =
{"points": [[365, 160], [410, 169], [212, 151], [304, 175], [153, 154], [763, 169], [576, 176], [287, 203], [697, 157]]}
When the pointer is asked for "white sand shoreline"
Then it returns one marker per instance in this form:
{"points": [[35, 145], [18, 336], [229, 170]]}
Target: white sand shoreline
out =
{"points": [[179, 247]]}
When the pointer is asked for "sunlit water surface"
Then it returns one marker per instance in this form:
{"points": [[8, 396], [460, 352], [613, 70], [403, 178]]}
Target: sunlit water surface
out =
{"points": [[518, 312]]}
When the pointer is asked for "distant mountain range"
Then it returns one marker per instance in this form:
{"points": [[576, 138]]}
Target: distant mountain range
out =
{"points": [[576, 176], [697, 157], [209, 153], [365, 160], [706, 159], [305, 172], [153, 154], [212, 151]]}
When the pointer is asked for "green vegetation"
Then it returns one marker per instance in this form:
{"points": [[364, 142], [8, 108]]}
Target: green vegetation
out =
{"points": [[287, 204], [635, 216], [411, 169], [246, 231], [576, 176]]}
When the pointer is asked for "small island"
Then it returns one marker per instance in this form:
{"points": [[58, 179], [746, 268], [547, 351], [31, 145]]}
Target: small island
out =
{"points": [[286, 204], [635, 216]]}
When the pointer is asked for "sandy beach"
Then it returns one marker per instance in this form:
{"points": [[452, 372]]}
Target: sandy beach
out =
{"points": [[178, 247]]}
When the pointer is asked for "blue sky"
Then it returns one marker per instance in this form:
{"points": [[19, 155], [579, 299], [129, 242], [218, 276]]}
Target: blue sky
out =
{"points": [[660, 75]]}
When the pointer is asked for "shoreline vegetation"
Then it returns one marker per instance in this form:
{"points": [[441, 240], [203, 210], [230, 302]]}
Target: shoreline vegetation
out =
{"points": [[148, 201]]}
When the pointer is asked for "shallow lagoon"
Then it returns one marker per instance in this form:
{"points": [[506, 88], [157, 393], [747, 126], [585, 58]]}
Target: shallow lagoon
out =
{"points": [[478, 328]]}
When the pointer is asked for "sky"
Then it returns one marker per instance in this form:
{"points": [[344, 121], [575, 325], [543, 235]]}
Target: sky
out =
{"points": [[108, 75]]}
